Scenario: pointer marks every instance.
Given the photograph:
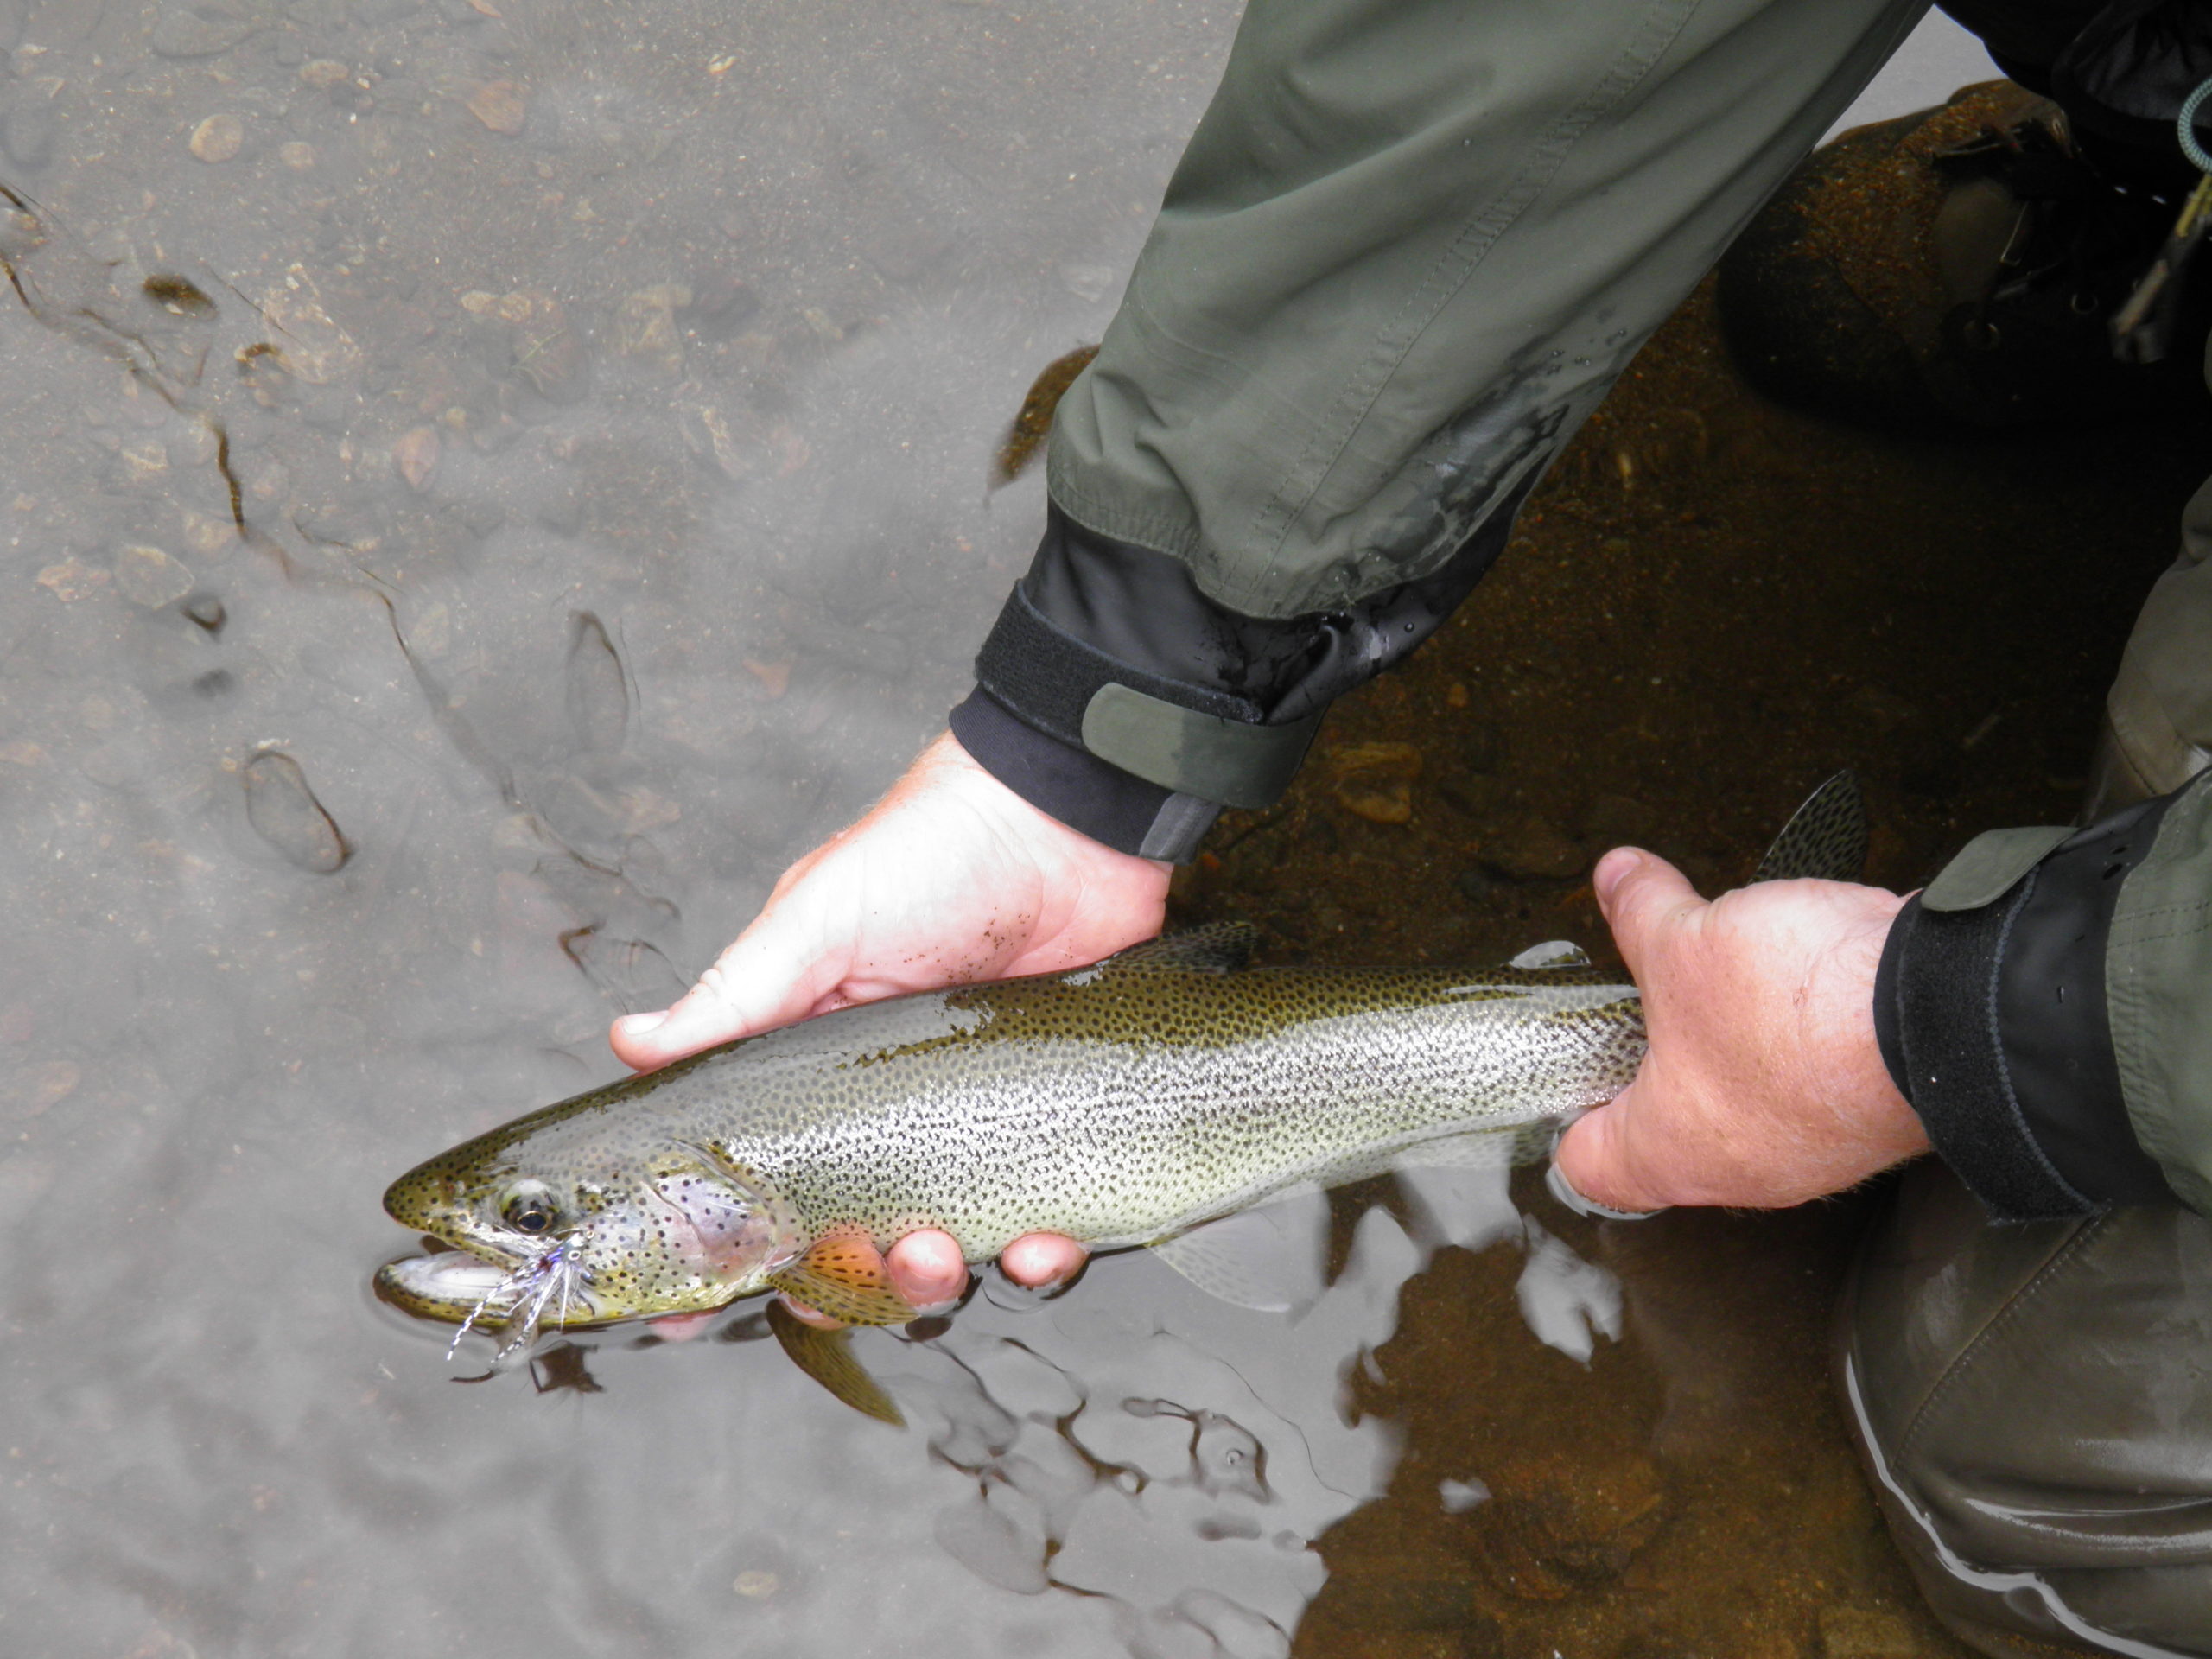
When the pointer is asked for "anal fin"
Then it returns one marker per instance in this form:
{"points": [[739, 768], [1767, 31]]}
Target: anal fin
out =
{"points": [[1270, 1259], [827, 1357], [841, 1274]]}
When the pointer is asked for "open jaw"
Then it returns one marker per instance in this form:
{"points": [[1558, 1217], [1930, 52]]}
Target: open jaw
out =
{"points": [[461, 1288]]}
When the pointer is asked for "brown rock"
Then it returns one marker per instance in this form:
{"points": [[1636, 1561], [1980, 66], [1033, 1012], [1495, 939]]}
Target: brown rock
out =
{"points": [[72, 579], [416, 454], [324, 71], [645, 324], [147, 459], [1536, 850], [1375, 781], [148, 576], [314, 349], [219, 138], [284, 812], [498, 104]]}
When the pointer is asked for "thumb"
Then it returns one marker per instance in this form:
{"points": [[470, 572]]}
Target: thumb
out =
{"points": [[1642, 894], [1599, 1155], [776, 972]]}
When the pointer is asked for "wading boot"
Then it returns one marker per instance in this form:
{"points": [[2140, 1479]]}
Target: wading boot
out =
{"points": [[1960, 268]]}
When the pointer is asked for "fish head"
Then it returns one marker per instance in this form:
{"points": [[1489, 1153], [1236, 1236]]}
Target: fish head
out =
{"points": [[549, 1223]]}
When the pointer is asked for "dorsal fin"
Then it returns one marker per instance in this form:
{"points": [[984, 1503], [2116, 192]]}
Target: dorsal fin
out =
{"points": [[1825, 838], [1217, 948]]}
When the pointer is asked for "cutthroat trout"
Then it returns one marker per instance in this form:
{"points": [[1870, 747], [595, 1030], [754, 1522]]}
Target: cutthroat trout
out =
{"points": [[1123, 1104]]}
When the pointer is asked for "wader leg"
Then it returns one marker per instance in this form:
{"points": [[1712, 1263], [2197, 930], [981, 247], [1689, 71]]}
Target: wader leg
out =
{"points": [[2158, 731], [2035, 1406], [2035, 1402], [1410, 246]]}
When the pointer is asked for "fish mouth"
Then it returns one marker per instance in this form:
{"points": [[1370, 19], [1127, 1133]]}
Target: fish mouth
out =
{"points": [[548, 1290]]}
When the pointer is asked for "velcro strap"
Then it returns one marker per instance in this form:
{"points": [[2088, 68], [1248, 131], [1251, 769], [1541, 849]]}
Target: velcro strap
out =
{"points": [[1191, 739]]}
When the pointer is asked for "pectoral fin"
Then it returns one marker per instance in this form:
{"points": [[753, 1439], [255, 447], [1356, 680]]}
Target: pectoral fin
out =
{"points": [[827, 1357], [842, 1275]]}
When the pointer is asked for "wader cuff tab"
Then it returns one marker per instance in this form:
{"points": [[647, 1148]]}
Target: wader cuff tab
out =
{"points": [[1191, 739], [1988, 866], [1192, 752]]}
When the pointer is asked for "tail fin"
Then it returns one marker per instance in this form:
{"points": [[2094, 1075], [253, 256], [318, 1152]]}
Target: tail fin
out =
{"points": [[1826, 837]]}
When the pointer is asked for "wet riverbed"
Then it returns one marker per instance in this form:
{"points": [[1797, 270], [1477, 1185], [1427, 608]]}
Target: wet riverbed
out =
{"points": [[482, 486]]}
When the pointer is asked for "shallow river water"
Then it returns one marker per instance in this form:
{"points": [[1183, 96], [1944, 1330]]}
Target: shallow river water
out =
{"points": [[483, 485]]}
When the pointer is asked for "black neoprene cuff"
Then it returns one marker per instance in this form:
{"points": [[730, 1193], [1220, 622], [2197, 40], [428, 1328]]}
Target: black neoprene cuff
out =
{"points": [[1992, 1023], [1077, 788], [1115, 695]]}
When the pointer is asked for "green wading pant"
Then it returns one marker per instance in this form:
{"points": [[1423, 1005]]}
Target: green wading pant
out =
{"points": [[2035, 1401], [1410, 246]]}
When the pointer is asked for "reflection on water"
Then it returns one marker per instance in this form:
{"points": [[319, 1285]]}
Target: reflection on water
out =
{"points": [[485, 482]]}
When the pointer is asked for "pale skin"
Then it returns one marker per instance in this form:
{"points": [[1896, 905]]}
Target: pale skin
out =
{"points": [[1764, 1086]]}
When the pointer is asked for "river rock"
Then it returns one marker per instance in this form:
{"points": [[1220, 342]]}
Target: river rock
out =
{"points": [[1375, 781], [501, 107], [219, 138], [284, 812], [187, 31], [645, 325], [1536, 850], [416, 454], [148, 576]]}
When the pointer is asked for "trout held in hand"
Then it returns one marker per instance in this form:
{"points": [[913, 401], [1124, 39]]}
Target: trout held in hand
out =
{"points": [[1124, 1103]]}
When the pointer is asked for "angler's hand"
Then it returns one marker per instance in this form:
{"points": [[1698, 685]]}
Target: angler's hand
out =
{"points": [[1764, 1086], [950, 877]]}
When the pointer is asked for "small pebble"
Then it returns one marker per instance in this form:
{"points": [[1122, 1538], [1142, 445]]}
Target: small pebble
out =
{"points": [[324, 71], [148, 576], [219, 138], [284, 812], [416, 454], [498, 104]]}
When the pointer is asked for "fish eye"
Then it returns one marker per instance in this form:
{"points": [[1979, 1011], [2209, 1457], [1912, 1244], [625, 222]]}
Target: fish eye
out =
{"points": [[528, 1207]]}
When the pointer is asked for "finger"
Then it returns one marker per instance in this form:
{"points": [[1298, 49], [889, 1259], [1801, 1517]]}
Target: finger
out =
{"points": [[1599, 1158], [776, 972], [806, 1315], [926, 1269], [1037, 1259], [681, 1327], [1642, 894]]}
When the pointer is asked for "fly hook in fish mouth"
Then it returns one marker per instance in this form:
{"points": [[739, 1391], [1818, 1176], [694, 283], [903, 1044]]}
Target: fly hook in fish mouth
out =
{"points": [[534, 1285]]}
